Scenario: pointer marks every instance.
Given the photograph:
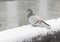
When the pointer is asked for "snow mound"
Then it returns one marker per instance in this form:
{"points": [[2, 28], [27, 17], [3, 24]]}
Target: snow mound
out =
{"points": [[19, 34], [55, 24]]}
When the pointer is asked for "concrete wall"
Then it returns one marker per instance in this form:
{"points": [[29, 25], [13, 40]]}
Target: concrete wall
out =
{"points": [[45, 9], [12, 15], [2, 14], [54, 9]]}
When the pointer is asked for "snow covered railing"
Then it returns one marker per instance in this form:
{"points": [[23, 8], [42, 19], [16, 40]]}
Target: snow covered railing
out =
{"points": [[28, 32]]}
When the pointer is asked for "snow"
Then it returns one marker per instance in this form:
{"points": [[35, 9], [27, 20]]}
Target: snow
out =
{"points": [[19, 34], [55, 24]]}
